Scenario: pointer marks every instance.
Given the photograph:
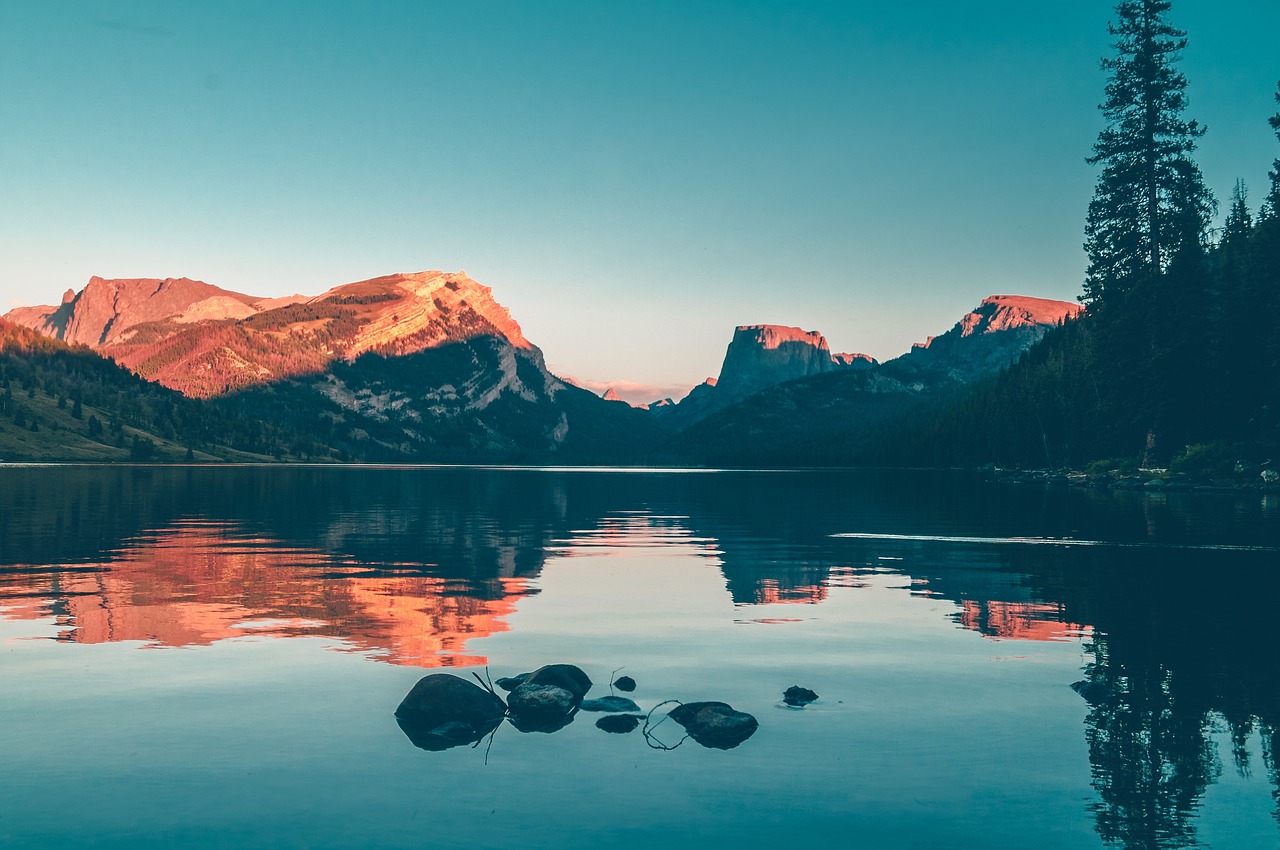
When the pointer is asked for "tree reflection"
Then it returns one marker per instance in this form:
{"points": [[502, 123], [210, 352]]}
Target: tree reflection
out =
{"points": [[1180, 654], [1151, 758]]}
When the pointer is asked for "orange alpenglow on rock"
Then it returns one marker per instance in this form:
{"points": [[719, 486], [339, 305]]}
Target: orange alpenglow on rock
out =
{"points": [[1009, 312], [202, 340], [183, 588]]}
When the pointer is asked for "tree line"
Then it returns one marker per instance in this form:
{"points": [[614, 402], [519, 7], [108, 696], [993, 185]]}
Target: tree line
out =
{"points": [[1177, 357]]}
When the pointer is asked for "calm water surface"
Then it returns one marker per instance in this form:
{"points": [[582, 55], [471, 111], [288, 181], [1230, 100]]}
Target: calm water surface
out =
{"points": [[210, 657]]}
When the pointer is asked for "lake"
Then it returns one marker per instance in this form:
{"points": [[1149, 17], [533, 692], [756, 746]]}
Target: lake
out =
{"points": [[211, 657]]}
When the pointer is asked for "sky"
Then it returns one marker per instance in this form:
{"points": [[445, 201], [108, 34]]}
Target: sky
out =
{"points": [[633, 179]]}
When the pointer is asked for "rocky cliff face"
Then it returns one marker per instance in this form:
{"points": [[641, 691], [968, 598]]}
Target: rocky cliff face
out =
{"points": [[202, 340], [761, 357], [406, 365], [985, 340], [106, 312]]}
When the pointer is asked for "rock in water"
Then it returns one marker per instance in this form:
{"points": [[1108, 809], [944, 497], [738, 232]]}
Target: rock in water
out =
{"points": [[442, 698], [798, 696], [625, 684], [610, 703], [510, 683], [541, 708], [715, 724], [443, 710], [566, 676], [618, 724]]}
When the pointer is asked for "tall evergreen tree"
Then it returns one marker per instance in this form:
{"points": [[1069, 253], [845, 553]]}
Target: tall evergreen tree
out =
{"points": [[1150, 202], [1271, 209]]}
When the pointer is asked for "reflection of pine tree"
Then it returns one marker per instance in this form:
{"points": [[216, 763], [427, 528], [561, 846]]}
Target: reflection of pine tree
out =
{"points": [[1271, 758], [1152, 757]]}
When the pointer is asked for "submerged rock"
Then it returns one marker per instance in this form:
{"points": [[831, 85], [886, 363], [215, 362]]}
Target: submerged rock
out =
{"points": [[715, 724], [609, 703], [565, 676], [618, 724], [443, 710], [625, 684], [798, 696]]}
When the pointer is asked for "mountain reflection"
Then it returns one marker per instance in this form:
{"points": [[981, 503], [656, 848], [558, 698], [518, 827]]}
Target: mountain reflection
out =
{"points": [[199, 582], [411, 565]]}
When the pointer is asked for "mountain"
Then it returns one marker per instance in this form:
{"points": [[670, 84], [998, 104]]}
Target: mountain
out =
{"points": [[109, 312], [204, 341], [985, 340], [423, 366], [66, 402], [819, 419], [759, 357]]}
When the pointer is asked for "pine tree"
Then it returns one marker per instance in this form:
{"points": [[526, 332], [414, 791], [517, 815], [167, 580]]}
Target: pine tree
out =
{"points": [[1239, 220], [1150, 202], [1271, 208]]}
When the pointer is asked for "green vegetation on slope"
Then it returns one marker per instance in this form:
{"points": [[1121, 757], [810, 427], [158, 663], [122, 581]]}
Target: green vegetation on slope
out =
{"points": [[67, 403], [1178, 360]]}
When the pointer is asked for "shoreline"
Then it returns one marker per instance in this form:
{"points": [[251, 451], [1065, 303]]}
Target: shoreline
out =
{"points": [[1147, 481]]}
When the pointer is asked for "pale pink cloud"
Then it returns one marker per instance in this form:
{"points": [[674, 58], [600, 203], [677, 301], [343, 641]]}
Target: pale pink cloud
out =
{"points": [[631, 391]]}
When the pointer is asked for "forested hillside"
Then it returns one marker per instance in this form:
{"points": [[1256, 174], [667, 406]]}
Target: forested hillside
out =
{"points": [[1177, 360], [63, 402]]}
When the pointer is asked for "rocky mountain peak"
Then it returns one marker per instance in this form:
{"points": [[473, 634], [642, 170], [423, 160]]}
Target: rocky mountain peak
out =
{"points": [[1008, 312], [760, 356], [107, 310], [987, 338], [772, 337], [203, 340]]}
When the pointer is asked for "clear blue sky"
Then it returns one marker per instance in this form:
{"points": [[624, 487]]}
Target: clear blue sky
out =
{"points": [[632, 179]]}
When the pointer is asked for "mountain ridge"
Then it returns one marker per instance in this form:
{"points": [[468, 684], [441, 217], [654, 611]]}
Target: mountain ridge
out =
{"points": [[762, 357]]}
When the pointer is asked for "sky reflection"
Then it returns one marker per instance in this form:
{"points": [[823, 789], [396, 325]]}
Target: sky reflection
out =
{"points": [[282, 584]]}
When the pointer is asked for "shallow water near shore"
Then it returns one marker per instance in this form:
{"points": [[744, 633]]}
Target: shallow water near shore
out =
{"points": [[210, 657]]}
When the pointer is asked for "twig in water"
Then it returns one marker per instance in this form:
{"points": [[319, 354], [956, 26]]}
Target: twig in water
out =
{"points": [[487, 685], [492, 735], [649, 738]]}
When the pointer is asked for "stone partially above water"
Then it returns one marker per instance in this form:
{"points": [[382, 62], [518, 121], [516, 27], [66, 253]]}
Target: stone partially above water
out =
{"points": [[541, 708], [510, 683], [716, 725], [798, 697], [442, 698], [567, 676], [443, 710]]}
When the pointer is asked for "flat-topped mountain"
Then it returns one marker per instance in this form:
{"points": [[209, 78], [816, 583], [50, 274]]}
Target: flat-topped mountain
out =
{"points": [[761, 358]]}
